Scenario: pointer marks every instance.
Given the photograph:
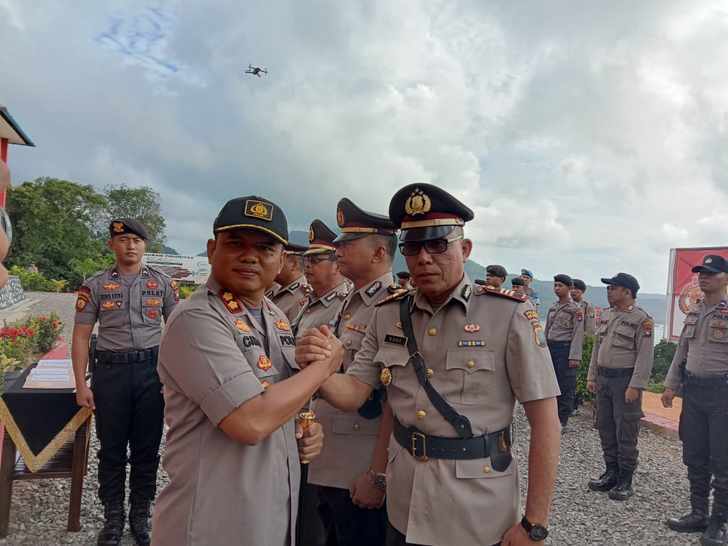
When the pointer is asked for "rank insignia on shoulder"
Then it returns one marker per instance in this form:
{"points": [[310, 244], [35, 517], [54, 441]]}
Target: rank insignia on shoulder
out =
{"points": [[282, 325], [396, 296], [242, 326], [264, 362], [397, 340], [472, 328], [466, 292], [508, 294], [647, 327], [471, 343], [385, 376], [360, 328], [151, 283], [230, 303]]}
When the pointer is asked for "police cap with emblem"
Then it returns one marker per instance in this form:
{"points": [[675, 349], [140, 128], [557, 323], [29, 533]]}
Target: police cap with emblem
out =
{"points": [[527, 273], [712, 263], [424, 212], [625, 280], [355, 222], [579, 284], [120, 226], [320, 238], [255, 213], [496, 271], [563, 279], [295, 249]]}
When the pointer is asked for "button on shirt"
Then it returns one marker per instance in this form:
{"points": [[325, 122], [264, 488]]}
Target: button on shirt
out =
{"points": [[350, 438], [624, 339], [564, 322], [129, 309], [444, 502], [703, 342], [213, 358]]}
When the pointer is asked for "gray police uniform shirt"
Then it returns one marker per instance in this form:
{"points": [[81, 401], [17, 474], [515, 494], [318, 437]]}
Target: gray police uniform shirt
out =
{"points": [[350, 438], [214, 357], [324, 310], [129, 313], [290, 299], [589, 317], [483, 351], [624, 339], [564, 323], [703, 342]]}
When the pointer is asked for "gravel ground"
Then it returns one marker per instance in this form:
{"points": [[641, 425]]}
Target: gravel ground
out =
{"points": [[579, 516]]}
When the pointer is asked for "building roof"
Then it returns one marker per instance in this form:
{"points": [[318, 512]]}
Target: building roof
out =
{"points": [[10, 130]]}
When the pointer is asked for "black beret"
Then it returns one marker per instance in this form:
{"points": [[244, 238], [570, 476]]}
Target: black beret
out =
{"points": [[625, 280], [497, 271], [253, 212], [564, 279], [355, 222], [578, 283], [120, 226], [518, 281], [424, 211], [712, 263]]}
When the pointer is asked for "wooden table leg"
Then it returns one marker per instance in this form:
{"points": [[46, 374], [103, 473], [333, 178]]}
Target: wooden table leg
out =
{"points": [[7, 468], [78, 470]]}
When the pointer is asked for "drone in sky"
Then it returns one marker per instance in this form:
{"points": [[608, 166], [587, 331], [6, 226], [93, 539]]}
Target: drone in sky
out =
{"points": [[256, 71]]}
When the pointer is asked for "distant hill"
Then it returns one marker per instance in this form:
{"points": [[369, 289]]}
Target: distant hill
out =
{"points": [[169, 250]]}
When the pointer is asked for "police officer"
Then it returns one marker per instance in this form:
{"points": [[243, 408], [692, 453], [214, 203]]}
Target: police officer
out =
{"points": [[565, 336], [128, 301], [527, 278], [226, 361], [453, 359], [290, 289], [518, 286], [578, 289], [700, 367], [495, 276], [329, 287], [619, 371], [403, 279], [349, 474]]}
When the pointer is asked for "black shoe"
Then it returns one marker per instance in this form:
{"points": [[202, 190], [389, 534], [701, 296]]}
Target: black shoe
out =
{"points": [[139, 522], [715, 534], [693, 522], [113, 529], [606, 481], [623, 490]]}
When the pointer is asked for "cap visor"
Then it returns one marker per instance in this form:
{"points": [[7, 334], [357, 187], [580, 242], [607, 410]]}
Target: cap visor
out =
{"points": [[313, 251], [350, 237], [253, 227], [705, 269], [425, 233], [608, 281]]}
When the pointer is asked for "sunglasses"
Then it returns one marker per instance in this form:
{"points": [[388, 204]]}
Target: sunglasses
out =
{"points": [[432, 246]]}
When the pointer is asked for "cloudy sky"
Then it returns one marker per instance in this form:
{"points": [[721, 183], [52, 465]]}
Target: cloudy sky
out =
{"points": [[587, 141]]}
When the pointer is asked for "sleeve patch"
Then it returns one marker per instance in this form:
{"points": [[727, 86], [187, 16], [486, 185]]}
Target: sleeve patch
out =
{"points": [[647, 327]]}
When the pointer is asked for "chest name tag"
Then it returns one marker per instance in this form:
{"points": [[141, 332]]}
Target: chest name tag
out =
{"points": [[251, 341], [288, 341], [471, 343], [397, 340]]}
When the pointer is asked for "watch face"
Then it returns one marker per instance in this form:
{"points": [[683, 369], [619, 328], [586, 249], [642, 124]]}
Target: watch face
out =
{"points": [[538, 533]]}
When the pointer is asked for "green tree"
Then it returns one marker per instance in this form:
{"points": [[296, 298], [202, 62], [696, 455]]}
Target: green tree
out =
{"points": [[141, 204], [664, 351], [54, 224]]}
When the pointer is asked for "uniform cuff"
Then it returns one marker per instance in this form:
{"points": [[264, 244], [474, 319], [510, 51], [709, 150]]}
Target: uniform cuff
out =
{"points": [[366, 373], [230, 395]]}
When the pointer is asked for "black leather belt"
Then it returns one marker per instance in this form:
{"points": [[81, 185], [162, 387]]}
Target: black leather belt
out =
{"points": [[112, 357], [716, 380], [423, 447], [615, 372]]}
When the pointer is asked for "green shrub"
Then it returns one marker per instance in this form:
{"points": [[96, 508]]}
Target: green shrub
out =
{"points": [[37, 282], [186, 290], [581, 391], [47, 329], [664, 352]]}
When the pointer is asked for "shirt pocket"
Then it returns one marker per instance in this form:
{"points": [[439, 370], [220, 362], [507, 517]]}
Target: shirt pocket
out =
{"points": [[718, 331], [624, 336], [113, 313], [392, 361], [152, 309], [354, 425], [480, 468], [474, 368], [690, 327]]}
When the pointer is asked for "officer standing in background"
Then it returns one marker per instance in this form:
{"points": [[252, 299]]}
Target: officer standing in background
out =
{"points": [[227, 362], [403, 280], [349, 474], [495, 276], [518, 287], [290, 289], [620, 368], [565, 337], [329, 287], [527, 278], [578, 290], [700, 367], [444, 349], [128, 301]]}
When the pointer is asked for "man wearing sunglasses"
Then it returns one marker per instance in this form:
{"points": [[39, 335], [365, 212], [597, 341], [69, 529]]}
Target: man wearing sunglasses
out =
{"points": [[290, 288], [700, 367], [453, 359]]}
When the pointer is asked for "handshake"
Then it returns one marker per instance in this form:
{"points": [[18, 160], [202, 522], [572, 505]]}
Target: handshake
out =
{"points": [[319, 347]]}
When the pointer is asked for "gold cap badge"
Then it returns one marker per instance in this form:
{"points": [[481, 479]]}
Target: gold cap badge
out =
{"points": [[417, 203], [118, 227], [258, 209], [385, 376], [340, 217], [311, 235]]}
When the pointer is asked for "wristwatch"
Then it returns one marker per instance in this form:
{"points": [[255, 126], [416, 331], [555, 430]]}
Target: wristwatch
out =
{"points": [[378, 479], [535, 531]]}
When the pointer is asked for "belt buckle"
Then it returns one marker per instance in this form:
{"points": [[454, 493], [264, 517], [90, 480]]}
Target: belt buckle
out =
{"points": [[413, 446]]}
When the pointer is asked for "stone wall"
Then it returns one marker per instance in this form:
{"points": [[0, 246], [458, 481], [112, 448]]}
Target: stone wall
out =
{"points": [[11, 293]]}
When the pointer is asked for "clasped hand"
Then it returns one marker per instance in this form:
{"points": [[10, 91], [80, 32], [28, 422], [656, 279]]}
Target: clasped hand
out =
{"points": [[319, 345]]}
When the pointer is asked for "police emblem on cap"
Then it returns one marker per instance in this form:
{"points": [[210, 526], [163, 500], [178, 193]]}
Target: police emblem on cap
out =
{"points": [[311, 235], [258, 209], [118, 227], [417, 203], [708, 260], [340, 217]]}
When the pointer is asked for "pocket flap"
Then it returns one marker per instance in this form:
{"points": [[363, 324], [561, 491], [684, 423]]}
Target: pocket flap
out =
{"points": [[691, 319], [718, 323], [353, 424], [470, 360], [392, 356], [626, 330], [480, 468]]}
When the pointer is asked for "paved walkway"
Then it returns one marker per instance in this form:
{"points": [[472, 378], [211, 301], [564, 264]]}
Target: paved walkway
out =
{"points": [[657, 417]]}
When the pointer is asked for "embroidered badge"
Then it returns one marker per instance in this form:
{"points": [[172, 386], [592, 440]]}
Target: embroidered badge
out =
{"points": [[417, 203], [580, 314], [242, 326], [647, 327], [311, 235], [153, 314], [471, 343], [151, 283], [472, 328], [119, 304], [398, 324], [118, 227], [258, 209], [264, 363], [282, 325], [109, 286], [108, 304], [397, 340], [385, 376], [466, 292], [81, 303], [361, 328], [531, 314], [373, 289], [347, 316], [153, 302]]}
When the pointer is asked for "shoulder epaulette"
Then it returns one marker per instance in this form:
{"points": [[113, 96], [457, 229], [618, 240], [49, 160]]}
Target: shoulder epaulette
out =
{"points": [[396, 296], [394, 288], [503, 293]]}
